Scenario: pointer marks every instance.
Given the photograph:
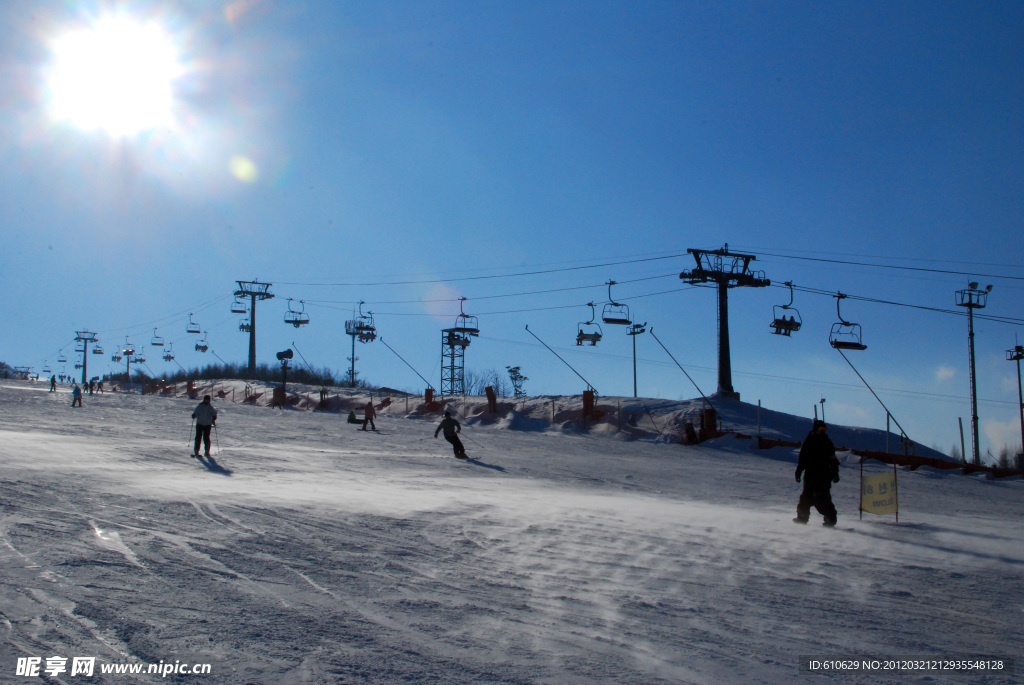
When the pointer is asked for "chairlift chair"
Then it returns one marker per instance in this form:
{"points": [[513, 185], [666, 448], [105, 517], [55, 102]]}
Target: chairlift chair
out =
{"points": [[845, 335], [781, 323], [156, 340], [202, 345], [192, 326], [588, 331], [239, 306], [613, 312], [62, 359], [365, 329], [78, 365], [296, 318], [97, 349], [46, 369], [140, 356], [169, 353], [245, 325], [464, 323], [115, 357]]}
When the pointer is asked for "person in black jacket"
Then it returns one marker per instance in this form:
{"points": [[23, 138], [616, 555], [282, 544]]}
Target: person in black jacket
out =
{"points": [[451, 430], [820, 468]]}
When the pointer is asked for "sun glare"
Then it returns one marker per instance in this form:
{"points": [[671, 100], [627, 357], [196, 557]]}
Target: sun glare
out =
{"points": [[117, 76]]}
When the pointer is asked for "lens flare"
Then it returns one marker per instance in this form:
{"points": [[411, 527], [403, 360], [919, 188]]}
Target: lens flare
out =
{"points": [[244, 169]]}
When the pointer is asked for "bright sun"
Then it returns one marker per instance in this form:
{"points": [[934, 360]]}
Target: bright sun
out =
{"points": [[117, 77]]}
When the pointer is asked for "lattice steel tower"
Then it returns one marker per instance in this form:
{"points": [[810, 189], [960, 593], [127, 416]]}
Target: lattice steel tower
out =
{"points": [[454, 342]]}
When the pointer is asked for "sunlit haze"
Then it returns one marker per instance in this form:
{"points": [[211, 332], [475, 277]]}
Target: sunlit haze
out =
{"points": [[116, 76]]}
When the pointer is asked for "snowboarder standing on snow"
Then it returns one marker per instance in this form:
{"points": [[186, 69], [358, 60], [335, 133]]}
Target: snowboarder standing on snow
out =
{"points": [[76, 396], [53, 384], [368, 414], [206, 417], [451, 430], [820, 468]]}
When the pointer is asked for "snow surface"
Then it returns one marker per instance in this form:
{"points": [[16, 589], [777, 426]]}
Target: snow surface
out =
{"points": [[310, 552]]}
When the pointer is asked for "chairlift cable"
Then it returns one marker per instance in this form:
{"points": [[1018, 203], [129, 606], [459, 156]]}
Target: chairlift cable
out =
{"points": [[486, 277], [950, 272]]}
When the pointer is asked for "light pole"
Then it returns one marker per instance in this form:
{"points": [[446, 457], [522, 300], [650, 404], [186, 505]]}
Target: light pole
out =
{"points": [[633, 331], [1015, 355], [972, 298]]}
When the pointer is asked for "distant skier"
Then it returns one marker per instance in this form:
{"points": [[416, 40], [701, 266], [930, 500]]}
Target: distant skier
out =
{"points": [[76, 396], [53, 384], [368, 414], [451, 430], [820, 468], [206, 417]]}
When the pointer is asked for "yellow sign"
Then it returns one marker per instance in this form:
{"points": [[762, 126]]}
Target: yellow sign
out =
{"points": [[878, 494]]}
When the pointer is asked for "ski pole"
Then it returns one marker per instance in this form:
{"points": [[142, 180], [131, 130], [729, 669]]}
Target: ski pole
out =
{"points": [[217, 438], [472, 440], [190, 430]]}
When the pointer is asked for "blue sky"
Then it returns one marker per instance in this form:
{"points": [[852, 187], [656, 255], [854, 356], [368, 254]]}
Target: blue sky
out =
{"points": [[409, 153]]}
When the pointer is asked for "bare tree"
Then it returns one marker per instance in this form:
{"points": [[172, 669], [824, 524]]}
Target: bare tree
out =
{"points": [[476, 382]]}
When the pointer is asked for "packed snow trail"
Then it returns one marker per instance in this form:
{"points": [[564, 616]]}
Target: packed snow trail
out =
{"points": [[322, 555]]}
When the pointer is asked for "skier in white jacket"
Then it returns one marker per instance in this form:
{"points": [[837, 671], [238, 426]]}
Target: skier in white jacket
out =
{"points": [[206, 417]]}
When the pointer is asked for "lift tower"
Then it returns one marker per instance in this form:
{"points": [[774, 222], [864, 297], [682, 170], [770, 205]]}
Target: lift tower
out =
{"points": [[85, 337], [727, 270], [254, 290], [454, 342]]}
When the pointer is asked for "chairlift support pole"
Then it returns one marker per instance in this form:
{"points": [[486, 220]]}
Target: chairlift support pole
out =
{"points": [[254, 290], [85, 337], [727, 270], [454, 342]]}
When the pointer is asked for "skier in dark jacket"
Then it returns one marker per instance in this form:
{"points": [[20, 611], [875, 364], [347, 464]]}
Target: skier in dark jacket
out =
{"points": [[451, 430], [820, 468], [206, 417]]}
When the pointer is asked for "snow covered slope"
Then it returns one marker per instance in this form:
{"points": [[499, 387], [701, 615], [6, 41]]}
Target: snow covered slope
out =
{"points": [[310, 552]]}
